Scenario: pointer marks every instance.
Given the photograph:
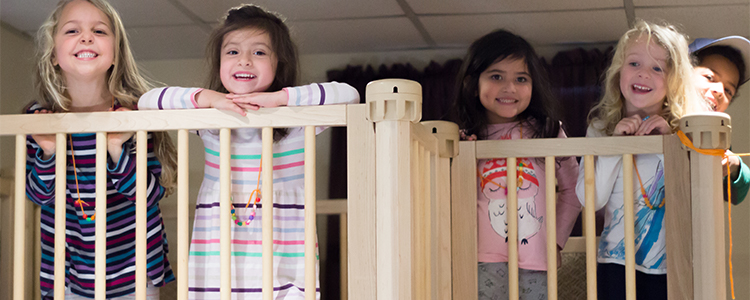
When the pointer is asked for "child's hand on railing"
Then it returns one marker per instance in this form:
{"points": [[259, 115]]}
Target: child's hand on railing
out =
{"points": [[255, 101], [212, 99], [116, 139], [635, 125], [734, 164], [655, 125], [464, 137], [45, 141]]}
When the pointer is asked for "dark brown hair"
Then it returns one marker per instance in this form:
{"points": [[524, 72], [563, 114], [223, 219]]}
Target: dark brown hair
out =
{"points": [[254, 17]]}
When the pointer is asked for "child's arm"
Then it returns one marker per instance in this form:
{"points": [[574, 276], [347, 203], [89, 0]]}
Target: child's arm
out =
{"points": [[568, 207], [123, 173], [40, 174], [313, 94], [186, 98], [606, 171], [740, 183]]}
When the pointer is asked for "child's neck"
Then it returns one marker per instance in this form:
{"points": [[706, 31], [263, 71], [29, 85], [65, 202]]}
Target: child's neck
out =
{"points": [[89, 96]]}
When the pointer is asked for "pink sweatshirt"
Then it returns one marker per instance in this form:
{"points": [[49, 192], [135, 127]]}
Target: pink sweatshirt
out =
{"points": [[492, 243]]}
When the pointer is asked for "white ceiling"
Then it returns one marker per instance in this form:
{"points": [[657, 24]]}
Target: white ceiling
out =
{"points": [[176, 29]]}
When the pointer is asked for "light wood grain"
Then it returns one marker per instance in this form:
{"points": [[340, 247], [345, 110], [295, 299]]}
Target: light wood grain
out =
{"points": [[19, 218], [267, 207], [569, 147], [61, 156], [183, 222], [141, 199], [100, 264], [551, 215], [512, 220], [628, 211], [225, 212], [463, 221], [442, 221], [677, 220], [708, 227], [394, 211], [590, 229], [361, 211], [310, 223], [157, 120]]}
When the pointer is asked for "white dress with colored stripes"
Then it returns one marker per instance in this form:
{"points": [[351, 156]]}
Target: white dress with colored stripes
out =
{"points": [[288, 201]]}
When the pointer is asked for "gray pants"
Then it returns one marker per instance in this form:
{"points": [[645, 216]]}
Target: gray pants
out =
{"points": [[493, 282]]}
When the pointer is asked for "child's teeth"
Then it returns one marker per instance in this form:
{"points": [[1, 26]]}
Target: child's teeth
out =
{"points": [[642, 88]]}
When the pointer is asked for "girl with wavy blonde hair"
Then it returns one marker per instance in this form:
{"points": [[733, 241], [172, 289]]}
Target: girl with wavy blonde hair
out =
{"points": [[84, 64], [680, 97], [647, 90]]}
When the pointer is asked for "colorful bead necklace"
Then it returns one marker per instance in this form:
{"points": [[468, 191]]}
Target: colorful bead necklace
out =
{"points": [[256, 193], [643, 190]]}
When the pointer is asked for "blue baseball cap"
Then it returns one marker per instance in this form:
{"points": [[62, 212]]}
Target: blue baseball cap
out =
{"points": [[739, 43]]}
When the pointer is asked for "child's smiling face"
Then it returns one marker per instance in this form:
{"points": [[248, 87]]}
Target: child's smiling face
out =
{"points": [[505, 89], [84, 42], [248, 63], [643, 77], [717, 80]]}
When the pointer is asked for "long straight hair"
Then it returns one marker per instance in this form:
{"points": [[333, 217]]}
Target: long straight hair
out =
{"points": [[124, 81], [541, 115]]}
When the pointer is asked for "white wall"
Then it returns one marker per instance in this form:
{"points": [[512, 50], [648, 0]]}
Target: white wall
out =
{"points": [[16, 63]]}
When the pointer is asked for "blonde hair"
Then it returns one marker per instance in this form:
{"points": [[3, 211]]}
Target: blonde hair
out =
{"points": [[124, 80], [681, 97]]}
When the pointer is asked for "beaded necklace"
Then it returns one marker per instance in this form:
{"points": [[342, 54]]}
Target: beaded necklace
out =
{"points": [[643, 190], [255, 192], [80, 202]]}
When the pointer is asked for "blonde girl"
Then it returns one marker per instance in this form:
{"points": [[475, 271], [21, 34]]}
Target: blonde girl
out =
{"points": [[646, 91], [84, 64]]}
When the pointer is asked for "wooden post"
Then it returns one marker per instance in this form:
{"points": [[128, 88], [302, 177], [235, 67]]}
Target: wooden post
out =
{"points": [[19, 236], [392, 104], [463, 226], [677, 226], [267, 210], [551, 215], [590, 229], [100, 264], [183, 198], [61, 169], [310, 226], [141, 210], [225, 209], [361, 212], [628, 216]]}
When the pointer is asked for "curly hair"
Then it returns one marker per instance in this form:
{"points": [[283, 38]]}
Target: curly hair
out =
{"points": [[681, 96]]}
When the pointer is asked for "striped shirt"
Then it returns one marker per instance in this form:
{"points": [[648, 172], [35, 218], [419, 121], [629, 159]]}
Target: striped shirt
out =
{"points": [[80, 235], [288, 200]]}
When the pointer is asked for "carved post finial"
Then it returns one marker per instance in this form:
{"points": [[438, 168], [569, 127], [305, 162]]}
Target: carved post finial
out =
{"points": [[447, 135], [394, 99], [708, 130]]}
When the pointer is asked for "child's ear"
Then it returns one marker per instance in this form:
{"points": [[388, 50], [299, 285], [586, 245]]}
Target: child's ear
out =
{"points": [[54, 61]]}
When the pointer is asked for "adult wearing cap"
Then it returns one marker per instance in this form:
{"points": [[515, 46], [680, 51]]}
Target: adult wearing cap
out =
{"points": [[722, 67]]}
